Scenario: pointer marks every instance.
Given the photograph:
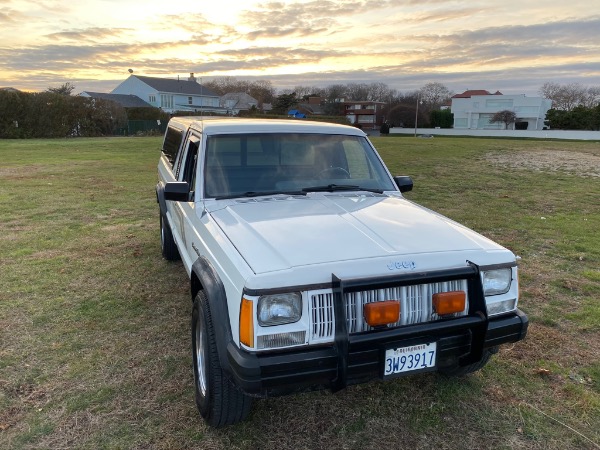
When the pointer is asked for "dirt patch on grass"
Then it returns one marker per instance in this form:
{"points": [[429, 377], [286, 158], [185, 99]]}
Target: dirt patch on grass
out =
{"points": [[19, 171], [582, 164]]}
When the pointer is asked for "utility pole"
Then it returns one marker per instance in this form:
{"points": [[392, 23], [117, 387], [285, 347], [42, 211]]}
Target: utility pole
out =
{"points": [[417, 113]]}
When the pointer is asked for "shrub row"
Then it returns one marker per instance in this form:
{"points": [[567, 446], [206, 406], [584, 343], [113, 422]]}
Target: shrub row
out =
{"points": [[47, 115]]}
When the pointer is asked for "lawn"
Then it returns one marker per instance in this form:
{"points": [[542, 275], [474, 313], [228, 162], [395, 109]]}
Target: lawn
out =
{"points": [[94, 324]]}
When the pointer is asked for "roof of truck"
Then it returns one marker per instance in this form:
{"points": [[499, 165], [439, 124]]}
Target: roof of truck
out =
{"points": [[230, 125]]}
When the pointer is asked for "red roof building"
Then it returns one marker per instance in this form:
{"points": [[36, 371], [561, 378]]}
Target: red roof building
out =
{"points": [[472, 92]]}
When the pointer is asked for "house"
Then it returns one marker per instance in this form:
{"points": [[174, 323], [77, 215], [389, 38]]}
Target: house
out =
{"points": [[126, 101], [313, 106], [172, 95], [235, 102], [367, 115], [473, 109]]}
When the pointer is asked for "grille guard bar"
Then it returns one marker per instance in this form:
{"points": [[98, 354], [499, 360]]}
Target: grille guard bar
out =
{"points": [[476, 321]]}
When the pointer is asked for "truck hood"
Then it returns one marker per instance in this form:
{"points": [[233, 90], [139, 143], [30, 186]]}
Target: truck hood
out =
{"points": [[282, 232]]}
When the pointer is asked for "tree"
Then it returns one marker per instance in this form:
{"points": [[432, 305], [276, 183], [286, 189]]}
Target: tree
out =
{"points": [[434, 95], [505, 116], [381, 92], [357, 91], [442, 118], [403, 110], [65, 89], [580, 118], [261, 90], [566, 97], [284, 102]]}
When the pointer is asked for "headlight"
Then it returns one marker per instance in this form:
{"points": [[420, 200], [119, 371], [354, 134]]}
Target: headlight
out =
{"points": [[279, 309], [497, 281]]}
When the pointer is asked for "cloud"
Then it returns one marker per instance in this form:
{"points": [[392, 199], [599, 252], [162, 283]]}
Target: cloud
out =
{"points": [[279, 56], [186, 22], [279, 19], [384, 40], [10, 17], [443, 15], [95, 34]]}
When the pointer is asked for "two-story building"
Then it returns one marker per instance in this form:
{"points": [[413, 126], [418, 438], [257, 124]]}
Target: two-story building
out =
{"points": [[367, 115], [474, 110], [172, 95]]}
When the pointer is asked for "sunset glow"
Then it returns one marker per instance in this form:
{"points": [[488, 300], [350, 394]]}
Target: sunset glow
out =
{"points": [[508, 45]]}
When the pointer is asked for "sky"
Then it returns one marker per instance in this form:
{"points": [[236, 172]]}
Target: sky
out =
{"points": [[509, 45]]}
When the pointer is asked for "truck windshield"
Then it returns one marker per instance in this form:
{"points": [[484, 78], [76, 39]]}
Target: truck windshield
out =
{"points": [[289, 162]]}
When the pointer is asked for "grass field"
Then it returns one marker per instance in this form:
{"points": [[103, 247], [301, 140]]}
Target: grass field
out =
{"points": [[94, 324]]}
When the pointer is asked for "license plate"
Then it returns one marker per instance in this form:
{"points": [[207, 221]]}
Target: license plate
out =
{"points": [[409, 359]]}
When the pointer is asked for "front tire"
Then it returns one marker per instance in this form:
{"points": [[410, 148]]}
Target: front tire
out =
{"points": [[219, 402], [167, 243]]}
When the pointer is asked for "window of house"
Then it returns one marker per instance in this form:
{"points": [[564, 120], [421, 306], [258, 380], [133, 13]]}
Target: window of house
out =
{"points": [[530, 110], [166, 101], [190, 102], [152, 98], [499, 103]]}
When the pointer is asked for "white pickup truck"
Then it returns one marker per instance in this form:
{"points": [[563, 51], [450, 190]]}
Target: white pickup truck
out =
{"points": [[309, 269]]}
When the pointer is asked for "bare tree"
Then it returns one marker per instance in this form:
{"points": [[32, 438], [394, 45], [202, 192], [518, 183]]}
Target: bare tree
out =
{"points": [[335, 92], [381, 92], [505, 116], [592, 97], [434, 95], [261, 90], [357, 91], [303, 91], [565, 96]]}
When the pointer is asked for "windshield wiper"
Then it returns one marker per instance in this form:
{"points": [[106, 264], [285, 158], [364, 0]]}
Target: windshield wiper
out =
{"points": [[259, 194], [340, 187]]}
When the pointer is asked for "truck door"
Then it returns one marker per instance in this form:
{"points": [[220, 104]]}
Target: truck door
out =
{"points": [[187, 172]]}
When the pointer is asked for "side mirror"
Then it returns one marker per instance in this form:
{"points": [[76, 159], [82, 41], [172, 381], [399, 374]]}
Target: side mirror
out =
{"points": [[404, 183], [178, 191]]}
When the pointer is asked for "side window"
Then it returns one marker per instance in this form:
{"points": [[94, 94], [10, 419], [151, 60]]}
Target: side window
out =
{"points": [[191, 162], [171, 144]]}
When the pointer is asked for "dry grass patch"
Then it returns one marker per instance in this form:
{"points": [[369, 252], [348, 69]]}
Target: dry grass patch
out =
{"points": [[579, 163]]}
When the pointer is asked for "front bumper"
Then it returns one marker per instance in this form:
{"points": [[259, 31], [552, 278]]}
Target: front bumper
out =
{"points": [[359, 357]]}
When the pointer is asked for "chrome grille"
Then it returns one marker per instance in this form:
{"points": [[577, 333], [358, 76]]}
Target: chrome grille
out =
{"points": [[415, 303], [415, 307], [321, 316]]}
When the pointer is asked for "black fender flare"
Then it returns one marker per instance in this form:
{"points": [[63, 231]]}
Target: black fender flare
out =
{"points": [[205, 277], [160, 198]]}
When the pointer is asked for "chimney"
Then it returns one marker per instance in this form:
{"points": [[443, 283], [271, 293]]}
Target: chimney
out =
{"points": [[192, 77]]}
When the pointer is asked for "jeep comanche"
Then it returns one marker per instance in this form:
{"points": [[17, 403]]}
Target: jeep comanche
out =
{"points": [[309, 269]]}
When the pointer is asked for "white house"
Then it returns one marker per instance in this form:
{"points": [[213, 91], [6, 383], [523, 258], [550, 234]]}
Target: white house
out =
{"points": [[474, 109], [171, 95], [235, 102]]}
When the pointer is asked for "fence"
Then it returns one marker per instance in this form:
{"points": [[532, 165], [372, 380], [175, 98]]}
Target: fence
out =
{"points": [[146, 127]]}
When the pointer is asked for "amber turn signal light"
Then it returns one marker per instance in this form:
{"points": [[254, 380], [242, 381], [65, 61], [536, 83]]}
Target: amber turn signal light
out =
{"points": [[449, 302], [247, 323], [382, 313]]}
